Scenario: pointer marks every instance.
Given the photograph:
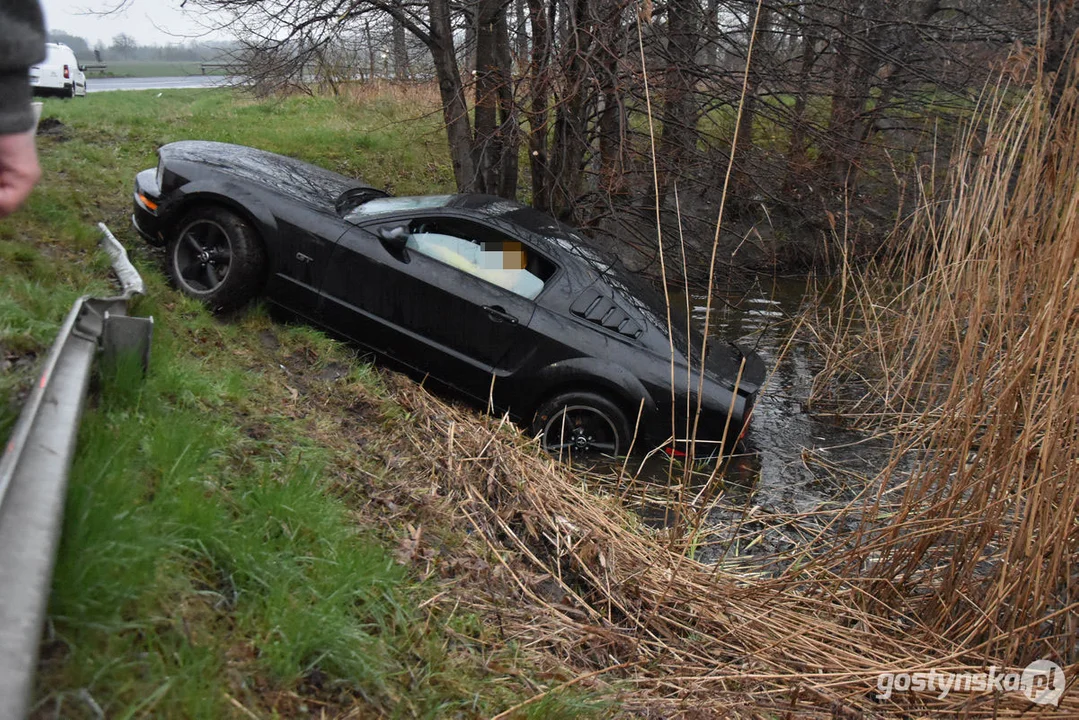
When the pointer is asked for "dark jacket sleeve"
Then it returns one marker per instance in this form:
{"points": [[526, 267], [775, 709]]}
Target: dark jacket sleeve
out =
{"points": [[22, 44]]}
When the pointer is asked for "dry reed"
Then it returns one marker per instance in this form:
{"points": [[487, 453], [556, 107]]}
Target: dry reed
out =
{"points": [[574, 574], [967, 339]]}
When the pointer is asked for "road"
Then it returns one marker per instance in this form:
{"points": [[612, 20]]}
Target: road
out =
{"points": [[155, 83]]}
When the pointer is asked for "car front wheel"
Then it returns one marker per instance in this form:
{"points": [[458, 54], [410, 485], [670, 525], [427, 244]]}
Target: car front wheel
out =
{"points": [[216, 257], [582, 424]]}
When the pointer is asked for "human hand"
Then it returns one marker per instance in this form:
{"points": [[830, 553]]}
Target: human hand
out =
{"points": [[18, 170]]}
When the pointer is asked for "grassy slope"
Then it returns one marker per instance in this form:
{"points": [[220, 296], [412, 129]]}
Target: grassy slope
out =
{"points": [[220, 554]]}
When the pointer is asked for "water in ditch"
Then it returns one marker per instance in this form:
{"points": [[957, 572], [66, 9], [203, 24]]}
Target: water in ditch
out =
{"points": [[795, 468]]}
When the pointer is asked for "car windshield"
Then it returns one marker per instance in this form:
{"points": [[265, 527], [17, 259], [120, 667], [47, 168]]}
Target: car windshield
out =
{"points": [[383, 205]]}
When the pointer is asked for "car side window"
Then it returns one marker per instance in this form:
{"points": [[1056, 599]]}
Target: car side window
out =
{"points": [[505, 263]]}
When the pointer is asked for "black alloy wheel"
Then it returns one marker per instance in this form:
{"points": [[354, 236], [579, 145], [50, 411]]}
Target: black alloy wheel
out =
{"points": [[582, 424], [216, 257]]}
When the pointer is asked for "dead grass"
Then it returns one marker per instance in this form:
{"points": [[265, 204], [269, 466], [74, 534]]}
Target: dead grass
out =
{"points": [[573, 576], [572, 579], [415, 95]]}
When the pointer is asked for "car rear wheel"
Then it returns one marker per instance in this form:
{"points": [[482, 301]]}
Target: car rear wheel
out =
{"points": [[216, 257], [582, 424]]}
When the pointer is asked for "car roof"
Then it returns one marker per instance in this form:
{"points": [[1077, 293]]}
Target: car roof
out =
{"points": [[548, 234], [54, 51]]}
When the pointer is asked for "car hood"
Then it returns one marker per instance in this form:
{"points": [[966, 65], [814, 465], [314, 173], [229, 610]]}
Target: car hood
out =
{"points": [[288, 176]]}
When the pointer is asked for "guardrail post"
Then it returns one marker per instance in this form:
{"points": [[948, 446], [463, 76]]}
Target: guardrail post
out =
{"points": [[126, 336]]}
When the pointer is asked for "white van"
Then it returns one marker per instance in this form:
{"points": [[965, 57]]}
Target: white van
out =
{"points": [[60, 74]]}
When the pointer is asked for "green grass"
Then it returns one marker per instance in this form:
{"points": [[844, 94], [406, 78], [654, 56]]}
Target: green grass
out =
{"points": [[214, 560], [186, 543], [395, 145]]}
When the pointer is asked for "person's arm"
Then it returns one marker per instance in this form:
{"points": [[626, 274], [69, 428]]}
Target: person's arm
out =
{"points": [[22, 44]]}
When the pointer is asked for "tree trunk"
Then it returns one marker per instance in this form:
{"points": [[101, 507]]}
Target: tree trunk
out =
{"points": [[711, 30], [852, 73], [400, 52], [471, 13], [520, 35], [451, 90], [370, 50], [797, 150], [567, 157], [743, 143], [679, 114], [486, 146], [612, 124], [507, 112], [838, 157], [538, 79]]}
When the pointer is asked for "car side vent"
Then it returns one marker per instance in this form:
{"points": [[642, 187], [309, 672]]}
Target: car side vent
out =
{"points": [[596, 307]]}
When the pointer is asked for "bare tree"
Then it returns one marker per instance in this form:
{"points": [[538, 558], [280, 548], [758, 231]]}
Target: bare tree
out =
{"points": [[836, 91], [123, 45]]}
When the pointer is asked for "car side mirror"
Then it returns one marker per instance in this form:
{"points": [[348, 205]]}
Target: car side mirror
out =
{"points": [[394, 238], [82, 68]]}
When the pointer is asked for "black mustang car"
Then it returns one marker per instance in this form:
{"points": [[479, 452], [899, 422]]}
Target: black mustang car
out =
{"points": [[484, 294]]}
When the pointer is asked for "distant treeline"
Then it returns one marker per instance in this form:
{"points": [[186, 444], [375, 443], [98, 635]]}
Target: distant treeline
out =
{"points": [[125, 47]]}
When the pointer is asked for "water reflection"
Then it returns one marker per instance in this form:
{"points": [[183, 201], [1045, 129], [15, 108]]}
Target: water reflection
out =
{"points": [[794, 468]]}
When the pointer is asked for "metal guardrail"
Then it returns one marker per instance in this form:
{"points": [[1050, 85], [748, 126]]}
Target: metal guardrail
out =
{"points": [[215, 66], [34, 469]]}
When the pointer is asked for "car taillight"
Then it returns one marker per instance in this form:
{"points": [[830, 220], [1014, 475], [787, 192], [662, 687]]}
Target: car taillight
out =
{"points": [[67, 72], [745, 424]]}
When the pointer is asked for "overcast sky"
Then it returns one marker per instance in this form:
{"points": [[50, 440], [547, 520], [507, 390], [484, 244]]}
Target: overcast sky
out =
{"points": [[150, 22]]}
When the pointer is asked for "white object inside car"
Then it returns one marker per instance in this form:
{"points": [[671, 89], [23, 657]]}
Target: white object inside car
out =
{"points": [[498, 266]]}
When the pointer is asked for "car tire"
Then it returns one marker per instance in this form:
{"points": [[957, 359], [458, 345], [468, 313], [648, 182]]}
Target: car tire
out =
{"points": [[72, 93], [582, 424], [217, 257]]}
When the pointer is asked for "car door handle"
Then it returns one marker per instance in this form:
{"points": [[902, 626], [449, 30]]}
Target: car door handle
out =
{"points": [[499, 314]]}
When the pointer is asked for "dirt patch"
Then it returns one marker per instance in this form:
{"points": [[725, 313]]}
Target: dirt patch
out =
{"points": [[15, 361], [268, 340], [52, 127], [332, 372], [258, 431]]}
